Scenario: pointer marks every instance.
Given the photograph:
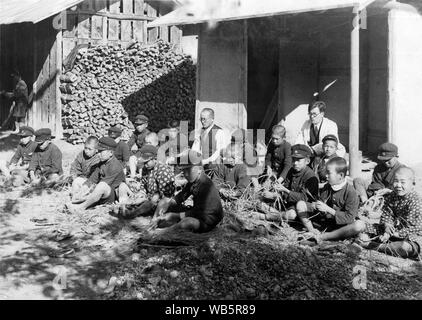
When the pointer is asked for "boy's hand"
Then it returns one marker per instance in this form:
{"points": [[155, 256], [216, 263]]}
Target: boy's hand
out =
{"points": [[385, 237], [280, 188], [389, 229], [323, 207], [269, 195], [280, 180]]}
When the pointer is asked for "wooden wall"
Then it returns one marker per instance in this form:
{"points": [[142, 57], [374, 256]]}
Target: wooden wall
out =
{"points": [[114, 22], [35, 51]]}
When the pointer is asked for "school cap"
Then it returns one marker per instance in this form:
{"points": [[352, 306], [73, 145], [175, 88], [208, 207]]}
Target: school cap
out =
{"points": [[330, 137], [300, 151], [43, 135], [188, 159], [116, 130], [387, 150], [106, 143], [148, 152], [26, 131], [141, 119]]}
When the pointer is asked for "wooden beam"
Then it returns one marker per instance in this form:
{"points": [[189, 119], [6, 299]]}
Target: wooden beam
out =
{"points": [[117, 16], [354, 98], [59, 64]]}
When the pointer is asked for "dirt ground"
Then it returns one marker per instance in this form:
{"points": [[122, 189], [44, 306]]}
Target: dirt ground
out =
{"points": [[46, 253]]}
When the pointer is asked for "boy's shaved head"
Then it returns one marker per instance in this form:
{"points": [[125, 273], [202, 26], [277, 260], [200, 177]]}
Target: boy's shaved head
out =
{"points": [[279, 130], [406, 172]]}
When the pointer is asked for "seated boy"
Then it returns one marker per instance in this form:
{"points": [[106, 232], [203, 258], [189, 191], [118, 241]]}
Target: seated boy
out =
{"points": [[337, 209], [46, 162], [82, 167], [383, 174], [137, 140], [249, 155], [400, 228], [230, 177], [278, 160], [17, 168], [107, 182], [319, 165], [122, 151], [135, 161], [207, 210], [301, 184], [157, 183]]}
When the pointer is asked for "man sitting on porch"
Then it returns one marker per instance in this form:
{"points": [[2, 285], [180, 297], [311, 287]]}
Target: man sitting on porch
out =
{"points": [[317, 127], [210, 140]]}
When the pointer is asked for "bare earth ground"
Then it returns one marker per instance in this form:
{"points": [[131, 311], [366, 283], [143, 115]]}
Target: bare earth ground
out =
{"points": [[95, 256]]}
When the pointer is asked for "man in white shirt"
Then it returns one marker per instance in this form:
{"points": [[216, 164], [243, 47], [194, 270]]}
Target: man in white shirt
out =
{"points": [[210, 139], [317, 127]]}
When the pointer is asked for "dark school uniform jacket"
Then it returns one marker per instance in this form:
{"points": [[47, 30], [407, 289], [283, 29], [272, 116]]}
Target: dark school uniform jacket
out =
{"points": [[207, 205], [24, 153], [298, 183], [47, 161], [234, 177], [110, 172], [138, 138], [345, 201], [122, 152], [383, 177], [83, 166], [279, 158]]}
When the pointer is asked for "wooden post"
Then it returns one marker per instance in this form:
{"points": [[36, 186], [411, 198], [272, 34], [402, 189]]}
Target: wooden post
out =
{"points": [[354, 98]]}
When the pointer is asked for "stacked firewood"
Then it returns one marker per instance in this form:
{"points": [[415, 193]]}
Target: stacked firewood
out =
{"points": [[110, 85]]}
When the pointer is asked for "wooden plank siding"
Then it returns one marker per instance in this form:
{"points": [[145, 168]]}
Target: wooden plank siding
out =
{"points": [[98, 22], [38, 50]]}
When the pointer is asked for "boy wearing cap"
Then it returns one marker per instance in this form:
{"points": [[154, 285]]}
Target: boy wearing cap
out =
{"points": [[136, 141], [207, 210], [278, 160], [230, 177], [400, 229], [122, 151], [19, 163], [319, 165], [336, 211], [157, 183], [107, 182], [383, 175], [301, 184], [82, 167], [46, 162]]}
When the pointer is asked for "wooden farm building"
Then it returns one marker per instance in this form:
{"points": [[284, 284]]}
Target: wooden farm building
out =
{"points": [[38, 36], [263, 60]]}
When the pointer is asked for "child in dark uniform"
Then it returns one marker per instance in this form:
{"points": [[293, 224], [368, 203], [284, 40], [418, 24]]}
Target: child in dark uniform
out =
{"points": [[107, 182], [301, 184], [207, 210], [337, 210], [319, 164]]}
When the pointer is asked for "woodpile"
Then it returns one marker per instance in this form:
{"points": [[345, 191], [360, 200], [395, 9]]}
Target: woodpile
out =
{"points": [[110, 85]]}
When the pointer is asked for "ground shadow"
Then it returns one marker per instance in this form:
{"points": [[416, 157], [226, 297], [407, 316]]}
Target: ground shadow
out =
{"points": [[170, 96]]}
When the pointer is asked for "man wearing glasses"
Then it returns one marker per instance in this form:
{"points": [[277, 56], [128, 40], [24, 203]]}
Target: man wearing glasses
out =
{"points": [[317, 127]]}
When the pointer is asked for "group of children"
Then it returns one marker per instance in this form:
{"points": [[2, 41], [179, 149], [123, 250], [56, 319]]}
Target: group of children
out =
{"points": [[297, 184]]}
